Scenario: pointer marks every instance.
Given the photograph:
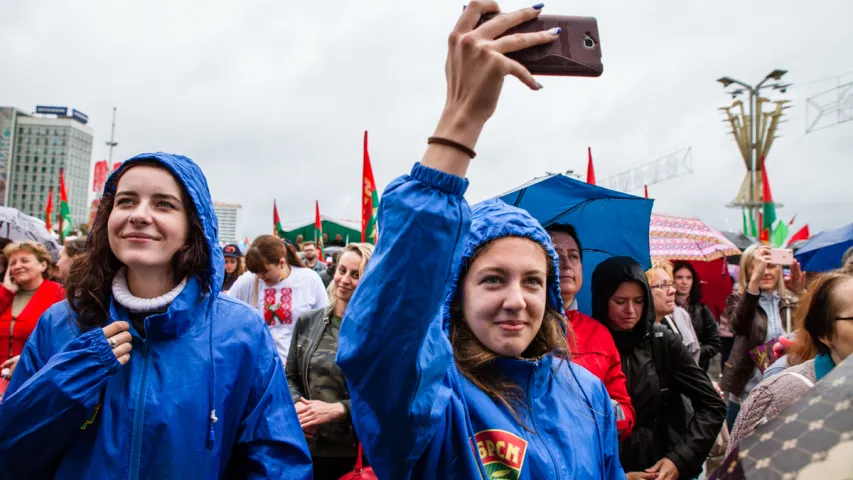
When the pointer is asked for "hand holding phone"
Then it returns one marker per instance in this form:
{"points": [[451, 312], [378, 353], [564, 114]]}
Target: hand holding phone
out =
{"points": [[782, 256], [576, 53]]}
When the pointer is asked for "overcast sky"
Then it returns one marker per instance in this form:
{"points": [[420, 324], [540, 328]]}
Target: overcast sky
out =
{"points": [[272, 98]]}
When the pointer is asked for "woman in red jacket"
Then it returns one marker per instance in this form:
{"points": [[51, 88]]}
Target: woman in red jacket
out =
{"points": [[592, 346], [24, 296]]}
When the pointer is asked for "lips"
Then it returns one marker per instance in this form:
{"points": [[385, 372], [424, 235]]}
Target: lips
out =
{"points": [[511, 325], [139, 236]]}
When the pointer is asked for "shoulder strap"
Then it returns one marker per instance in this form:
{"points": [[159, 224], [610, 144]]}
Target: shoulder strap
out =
{"points": [[255, 281], [805, 380]]}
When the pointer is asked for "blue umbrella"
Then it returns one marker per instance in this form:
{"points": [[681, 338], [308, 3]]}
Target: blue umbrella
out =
{"points": [[823, 251], [609, 223]]}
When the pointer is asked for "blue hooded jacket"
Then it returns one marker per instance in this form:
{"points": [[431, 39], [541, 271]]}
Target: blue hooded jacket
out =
{"points": [[203, 395], [417, 416]]}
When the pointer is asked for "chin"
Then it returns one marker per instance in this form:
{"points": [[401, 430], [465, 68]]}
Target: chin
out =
{"points": [[507, 347]]}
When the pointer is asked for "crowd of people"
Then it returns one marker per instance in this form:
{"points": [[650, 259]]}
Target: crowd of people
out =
{"points": [[455, 349]]}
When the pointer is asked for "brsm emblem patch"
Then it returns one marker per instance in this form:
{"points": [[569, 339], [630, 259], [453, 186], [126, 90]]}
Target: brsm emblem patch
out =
{"points": [[502, 454]]}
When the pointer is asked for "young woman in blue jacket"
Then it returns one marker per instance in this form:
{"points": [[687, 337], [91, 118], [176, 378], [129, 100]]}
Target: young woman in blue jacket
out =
{"points": [[454, 345], [147, 371]]}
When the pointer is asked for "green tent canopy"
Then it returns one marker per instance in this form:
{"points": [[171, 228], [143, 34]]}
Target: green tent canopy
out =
{"points": [[331, 226]]}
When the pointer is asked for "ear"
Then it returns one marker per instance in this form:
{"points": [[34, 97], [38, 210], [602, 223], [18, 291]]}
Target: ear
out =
{"points": [[826, 341]]}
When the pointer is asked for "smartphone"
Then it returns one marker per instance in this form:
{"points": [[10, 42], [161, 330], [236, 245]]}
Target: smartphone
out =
{"points": [[577, 53], [782, 256]]}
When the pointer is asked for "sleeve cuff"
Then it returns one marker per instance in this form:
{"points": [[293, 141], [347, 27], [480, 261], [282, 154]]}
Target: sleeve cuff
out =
{"points": [[98, 342], [439, 180]]}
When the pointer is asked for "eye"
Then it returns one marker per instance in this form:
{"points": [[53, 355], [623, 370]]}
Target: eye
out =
{"points": [[166, 204], [124, 201], [534, 281], [354, 275], [638, 301], [619, 301], [492, 280]]}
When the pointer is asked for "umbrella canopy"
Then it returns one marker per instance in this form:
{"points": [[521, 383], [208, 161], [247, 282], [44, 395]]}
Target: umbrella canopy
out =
{"points": [[811, 439], [609, 223], [740, 240], [331, 226], [823, 251], [17, 226], [682, 238]]}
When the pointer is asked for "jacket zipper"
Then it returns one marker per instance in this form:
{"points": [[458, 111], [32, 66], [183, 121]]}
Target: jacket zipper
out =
{"points": [[136, 446], [11, 334], [530, 382], [310, 351]]}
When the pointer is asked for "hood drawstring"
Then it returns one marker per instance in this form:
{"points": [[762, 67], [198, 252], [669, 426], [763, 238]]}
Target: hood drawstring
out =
{"points": [[211, 434]]}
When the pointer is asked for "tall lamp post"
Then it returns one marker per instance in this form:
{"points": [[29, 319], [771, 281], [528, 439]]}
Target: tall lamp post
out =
{"points": [[754, 123]]}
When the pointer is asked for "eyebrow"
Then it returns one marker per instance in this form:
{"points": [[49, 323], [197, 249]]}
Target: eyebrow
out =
{"points": [[158, 196], [535, 271]]}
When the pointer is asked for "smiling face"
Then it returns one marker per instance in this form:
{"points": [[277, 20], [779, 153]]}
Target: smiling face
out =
{"points": [[571, 267], [625, 307], [347, 275], [770, 279], [148, 223], [505, 292], [26, 270]]}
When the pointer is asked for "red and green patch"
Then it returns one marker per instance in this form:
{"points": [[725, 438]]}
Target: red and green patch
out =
{"points": [[502, 454]]}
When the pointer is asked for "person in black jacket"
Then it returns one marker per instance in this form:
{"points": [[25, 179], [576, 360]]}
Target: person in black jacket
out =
{"points": [[688, 295], [659, 370]]}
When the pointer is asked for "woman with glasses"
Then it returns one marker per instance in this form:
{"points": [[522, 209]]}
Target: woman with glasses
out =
{"points": [[664, 445], [667, 313]]}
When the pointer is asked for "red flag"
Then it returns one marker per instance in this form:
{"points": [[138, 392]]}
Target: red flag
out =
{"points": [[318, 228], [100, 176], [802, 234], [791, 222], [48, 211], [590, 170], [646, 190], [276, 222], [369, 200], [116, 166]]}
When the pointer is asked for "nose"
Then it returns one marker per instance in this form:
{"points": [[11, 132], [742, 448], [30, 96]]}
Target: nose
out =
{"points": [[141, 215], [514, 300]]}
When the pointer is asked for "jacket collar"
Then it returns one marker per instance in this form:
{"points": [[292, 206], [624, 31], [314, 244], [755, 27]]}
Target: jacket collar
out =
{"points": [[183, 312]]}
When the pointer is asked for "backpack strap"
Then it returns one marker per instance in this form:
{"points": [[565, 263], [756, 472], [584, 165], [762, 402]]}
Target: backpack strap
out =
{"points": [[255, 287]]}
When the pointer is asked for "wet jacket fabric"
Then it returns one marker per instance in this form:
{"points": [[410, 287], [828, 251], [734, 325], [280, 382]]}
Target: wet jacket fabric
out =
{"points": [[594, 350], [416, 414], [748, 321], [313, 374], [203, 395], [659, 369], [707, 331]]}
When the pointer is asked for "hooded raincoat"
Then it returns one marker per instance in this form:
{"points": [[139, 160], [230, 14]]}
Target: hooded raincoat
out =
{"points": [[203, 395], [416, 414], [659, 370]]}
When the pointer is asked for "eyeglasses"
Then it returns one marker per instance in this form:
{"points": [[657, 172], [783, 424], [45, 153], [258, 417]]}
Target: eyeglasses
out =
{"points": [[664, 286]]}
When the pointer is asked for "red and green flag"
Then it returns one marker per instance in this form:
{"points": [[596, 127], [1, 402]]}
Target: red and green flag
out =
{"points": [[369, 200], [780, 234], [48, 211], [767, 198], [276, 222], [64, 210], [318, 228]]}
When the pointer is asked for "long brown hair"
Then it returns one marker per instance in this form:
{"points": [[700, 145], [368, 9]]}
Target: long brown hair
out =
{"points": [[474, 360], [89, 283], [269, 250], [816, 315]]}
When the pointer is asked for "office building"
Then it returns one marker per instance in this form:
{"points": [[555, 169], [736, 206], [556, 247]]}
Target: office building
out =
{"points": [[228, 215], [41, 146]]}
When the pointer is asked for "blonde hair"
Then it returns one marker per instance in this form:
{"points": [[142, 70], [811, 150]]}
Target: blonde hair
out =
{"points": [[745, 272], [363, 250], [661, 265], [33, 248]]}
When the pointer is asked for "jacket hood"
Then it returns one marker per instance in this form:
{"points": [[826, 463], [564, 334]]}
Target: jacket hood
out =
{"points": [[606, 279], [193, 181], [493, 219], [193, 307]]}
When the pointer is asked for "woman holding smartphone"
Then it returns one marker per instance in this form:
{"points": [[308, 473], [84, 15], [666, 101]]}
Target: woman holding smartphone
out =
{"points": [[454, 345], [146, 371]]}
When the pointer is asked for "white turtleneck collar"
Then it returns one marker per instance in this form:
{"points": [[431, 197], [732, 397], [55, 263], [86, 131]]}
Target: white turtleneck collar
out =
{"points": [[134, 304]]}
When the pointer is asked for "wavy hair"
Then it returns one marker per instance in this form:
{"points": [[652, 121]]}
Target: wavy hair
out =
{"points": [[816, 316], [36, 249], [474, 360], [89, 283], [364, 251], [746, 270]]}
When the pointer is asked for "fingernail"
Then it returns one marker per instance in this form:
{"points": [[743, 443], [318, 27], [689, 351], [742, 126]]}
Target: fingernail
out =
{"points": [[539, 85], [464, 7], [555, 31], [538, 6]]}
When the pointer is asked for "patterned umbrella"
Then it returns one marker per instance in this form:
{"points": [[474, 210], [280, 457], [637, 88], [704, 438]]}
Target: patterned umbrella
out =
{"points": [[810, 440], [682, 238]]}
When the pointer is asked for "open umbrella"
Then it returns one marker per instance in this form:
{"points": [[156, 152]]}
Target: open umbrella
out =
{"points": [[811, 439], [17, 226], [740, 240], [683, 238], [609, 223], [823, 251]]}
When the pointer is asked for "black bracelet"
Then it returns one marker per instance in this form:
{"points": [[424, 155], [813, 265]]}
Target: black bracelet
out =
{"points": [[450, 143]]}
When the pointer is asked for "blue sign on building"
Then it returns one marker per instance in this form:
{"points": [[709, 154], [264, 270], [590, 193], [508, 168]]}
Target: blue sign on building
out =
{"points": [[79, 116], [61, 111]]}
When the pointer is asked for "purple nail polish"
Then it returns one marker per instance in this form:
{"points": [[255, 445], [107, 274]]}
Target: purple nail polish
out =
{"points": [[538, 6]]}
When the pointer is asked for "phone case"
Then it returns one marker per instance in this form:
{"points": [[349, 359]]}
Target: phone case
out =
{"points": [[782, 256], [576, 53]]}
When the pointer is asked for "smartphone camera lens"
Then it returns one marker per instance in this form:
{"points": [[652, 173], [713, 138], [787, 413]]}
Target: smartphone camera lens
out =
{"points": [[588, 41]]}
